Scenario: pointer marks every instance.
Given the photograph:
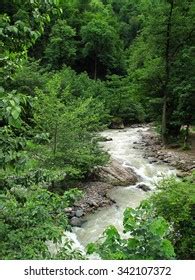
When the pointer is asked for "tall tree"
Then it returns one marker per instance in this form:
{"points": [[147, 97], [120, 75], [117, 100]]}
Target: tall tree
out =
{"points": [[61, 48], [102, 45], [167, 29]]}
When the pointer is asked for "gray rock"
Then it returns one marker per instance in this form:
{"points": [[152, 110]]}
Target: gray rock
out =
{"points": [[108, 139], [92, 203], [174, 146], [152, 160], [116, 175], [76, 222], [105, 139], [146, 144], [72, 214], [117, 123], [182, 174], [192, 167], [143, 187], [79, 213], [68, 210], [161, 157], [166, 160]]}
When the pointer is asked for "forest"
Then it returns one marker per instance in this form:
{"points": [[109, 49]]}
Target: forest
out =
{"points": [[70, 69]]}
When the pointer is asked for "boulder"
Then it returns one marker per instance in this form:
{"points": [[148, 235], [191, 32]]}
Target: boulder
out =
{"points": [[68, 210], [79, 213], [143, 187], [76, 222], [108, 139], [166, 160], [181, 174], [116, 174], [152, 160], [117, 123], [92, 203], [105, 139], [174, 146], [192, 167]]}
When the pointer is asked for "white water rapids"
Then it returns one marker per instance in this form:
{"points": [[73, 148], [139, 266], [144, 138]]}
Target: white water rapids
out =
{"points": [[121, 148]]}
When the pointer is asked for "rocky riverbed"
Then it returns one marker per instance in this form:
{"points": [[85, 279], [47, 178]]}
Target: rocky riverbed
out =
{"points": [[104, 179], [174, 156], [96, 190]]}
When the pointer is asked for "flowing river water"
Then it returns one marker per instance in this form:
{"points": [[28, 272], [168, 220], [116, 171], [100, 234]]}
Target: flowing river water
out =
{"points": [[121, 148]]}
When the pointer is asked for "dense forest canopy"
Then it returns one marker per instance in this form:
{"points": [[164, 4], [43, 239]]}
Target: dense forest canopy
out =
{"points": [[70, 68]]}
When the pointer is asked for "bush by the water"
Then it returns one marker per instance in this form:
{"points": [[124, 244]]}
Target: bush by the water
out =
{"points": [[176, 203], [30, 218], [161, 228]]}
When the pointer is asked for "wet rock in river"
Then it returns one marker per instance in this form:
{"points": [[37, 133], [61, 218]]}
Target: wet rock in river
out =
{"points": [[181, 174], [117, 123], [79, 213], [143, 187], [105, 139], [152, 160], [76, 222], [93, 203], [68, 210], [116, 175]]}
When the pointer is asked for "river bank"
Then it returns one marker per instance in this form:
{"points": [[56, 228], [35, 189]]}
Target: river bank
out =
{"points": [[96, 190], [155, 152], [133, 163]]}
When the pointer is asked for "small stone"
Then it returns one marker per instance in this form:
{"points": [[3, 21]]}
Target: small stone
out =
{"points": [[68, 210], [79, 213], [93, 203], [152, 160], [166, 160], [108, 139], [181, 174], [76, 222], [143, 187]]}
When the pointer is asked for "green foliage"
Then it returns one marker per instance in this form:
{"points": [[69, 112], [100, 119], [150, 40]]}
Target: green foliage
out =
{"points": [[28, 77], [11, 153], [61, 48], [11, 108], [101, 44], [29, 218], [70, 127], [121, 101], [176, 203], [11, 135], [21, 24], [50, 113], [30, 175], [145, 237], [161, 62]]}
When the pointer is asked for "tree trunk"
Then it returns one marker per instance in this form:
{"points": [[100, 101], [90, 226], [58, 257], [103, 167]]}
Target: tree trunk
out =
{"points": [[55, 139], [186, 137], [167, 75], [164, 120], [95, 68]]}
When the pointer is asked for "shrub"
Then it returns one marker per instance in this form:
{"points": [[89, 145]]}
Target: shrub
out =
{"points": [[70, 127], [31, 217], [145, 237], [176, 203]]}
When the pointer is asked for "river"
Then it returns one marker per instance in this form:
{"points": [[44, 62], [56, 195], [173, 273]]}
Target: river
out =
{"points": [[121, 148]]}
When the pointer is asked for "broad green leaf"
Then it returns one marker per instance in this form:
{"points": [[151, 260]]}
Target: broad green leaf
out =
{"points": [[15, 113], [159, 227]]}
